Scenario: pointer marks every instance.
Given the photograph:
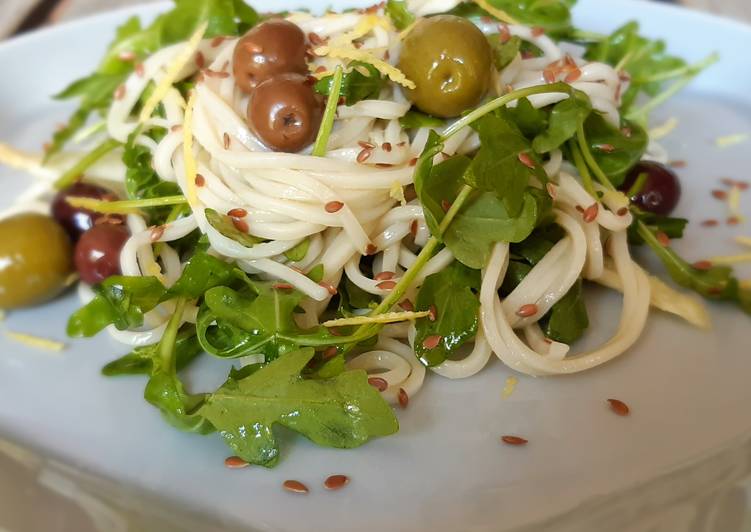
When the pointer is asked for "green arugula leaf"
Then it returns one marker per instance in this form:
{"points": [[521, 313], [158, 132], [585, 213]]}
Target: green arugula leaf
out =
{"points": [[504, 52], [342, 412], [224, 225], [498, 165], [142, 181], [435, 185], [164, 389], [399, 14], [554, 16], [298, 252], [672, 227], [567, 319], [268, 318], [357, 297], [141, 360], [625, 146], [415, 119], [716, 283], [222, 339], [452, 293], [485, 221], [201, 273], [647, 61], [565, 118], [362, 81], [530, 120], [121, 301]]}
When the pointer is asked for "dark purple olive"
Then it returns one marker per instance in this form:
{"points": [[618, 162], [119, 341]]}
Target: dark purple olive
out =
{"points": [[659, 193], [285, 113], [97, 254], [273, 47], [75, 220]]}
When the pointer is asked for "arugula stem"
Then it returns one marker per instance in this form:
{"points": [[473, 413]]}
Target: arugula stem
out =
{"points": [[327, 123], [72, 175], [125, 206], [641, 179], [167, 343], [590, 160], [496, 103], [581, 166], [643, 112]]}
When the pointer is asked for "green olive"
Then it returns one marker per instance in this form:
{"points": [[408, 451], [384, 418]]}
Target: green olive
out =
{"points": [[449, 60], [36, 259]]}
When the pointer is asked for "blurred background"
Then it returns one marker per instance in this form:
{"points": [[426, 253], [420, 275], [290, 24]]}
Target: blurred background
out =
{"points": [[17, 16]]}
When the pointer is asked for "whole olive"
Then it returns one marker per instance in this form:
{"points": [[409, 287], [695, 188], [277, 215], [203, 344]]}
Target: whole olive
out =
{"points": [[449, 60], [273, 47], [285, 112], [76, 220], [36, 259], [660, 191], [97, 254]]}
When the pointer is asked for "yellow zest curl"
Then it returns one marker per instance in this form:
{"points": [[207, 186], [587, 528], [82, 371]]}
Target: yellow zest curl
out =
{"points": [[389, 317], [497, 13], [182, 59]]}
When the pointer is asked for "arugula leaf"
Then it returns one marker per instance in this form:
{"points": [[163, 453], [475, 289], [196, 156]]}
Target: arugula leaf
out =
{"points": [[515, 274], [567, 319], [452, 293], [223, 224], [268, 317], [533, 248], [645, 60], [221, 338], [437, 184], [716, 282], [357, 297], [672, 227], [530, 120], [142, 181], [140, 361], [626, 146], [201, 273], [298, 252], [498, 165], [565, 118], [554, 16], [362, 81], [485, 221], [504, 52], [399, 14], [121, 301], [342, 412], [164, 389], [415, 119]]}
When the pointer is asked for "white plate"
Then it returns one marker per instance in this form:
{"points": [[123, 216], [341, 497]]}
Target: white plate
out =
{"points": [[445, 470]]}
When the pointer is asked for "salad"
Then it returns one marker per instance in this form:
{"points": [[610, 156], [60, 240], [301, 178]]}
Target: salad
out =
{"points": [[346, 203]]}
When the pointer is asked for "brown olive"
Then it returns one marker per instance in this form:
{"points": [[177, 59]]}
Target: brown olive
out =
{"points": [[285, 112], [76, 220], [97, 254], [273, 47], [449, 59], [36, 260]]}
